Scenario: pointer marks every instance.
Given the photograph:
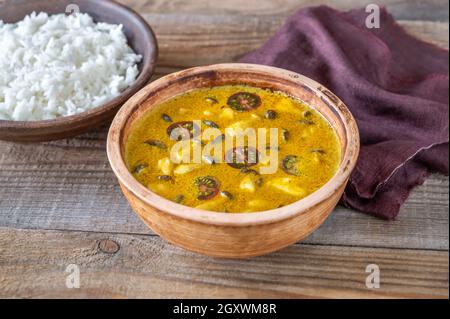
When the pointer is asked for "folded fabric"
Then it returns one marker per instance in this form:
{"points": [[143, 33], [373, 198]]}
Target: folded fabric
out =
{"points": [[396, 86]]}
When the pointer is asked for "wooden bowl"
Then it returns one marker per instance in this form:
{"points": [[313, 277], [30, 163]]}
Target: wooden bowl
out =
{"points": [[140, 37], [234, 235]]}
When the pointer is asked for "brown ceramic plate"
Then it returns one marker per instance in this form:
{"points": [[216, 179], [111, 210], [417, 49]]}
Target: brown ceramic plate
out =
{"points": [[234, 235], [140, 37]]}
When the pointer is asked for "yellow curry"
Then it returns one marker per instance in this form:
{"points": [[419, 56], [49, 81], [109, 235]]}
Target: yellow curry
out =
{"points": [[181, 149]]}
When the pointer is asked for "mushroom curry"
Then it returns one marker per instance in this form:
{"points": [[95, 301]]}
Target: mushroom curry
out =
{"points": [[212, 148]]}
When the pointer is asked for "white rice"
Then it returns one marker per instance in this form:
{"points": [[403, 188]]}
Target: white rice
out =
{"points": [[53, 66]]}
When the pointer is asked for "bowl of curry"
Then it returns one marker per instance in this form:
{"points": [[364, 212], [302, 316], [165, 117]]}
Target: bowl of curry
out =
{"points": [[233, 160]]}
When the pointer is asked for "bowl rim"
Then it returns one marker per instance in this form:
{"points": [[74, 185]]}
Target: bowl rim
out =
{"points": [[148, 68], [126, 179]]}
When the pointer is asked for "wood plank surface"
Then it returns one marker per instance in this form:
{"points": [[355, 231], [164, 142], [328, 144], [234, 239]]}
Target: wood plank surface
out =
{"points": [[201, 32], [187, 41], [68, 185], [88, 197], [432, 10], [34, 265], [58, 200]]}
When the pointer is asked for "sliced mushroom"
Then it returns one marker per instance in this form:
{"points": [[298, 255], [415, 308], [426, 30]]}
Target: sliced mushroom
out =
{"points": [[240, 157], [244, 101], [208, 187], [183, 130]]}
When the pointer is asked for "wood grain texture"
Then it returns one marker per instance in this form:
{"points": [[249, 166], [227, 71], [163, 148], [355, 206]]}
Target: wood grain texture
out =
{"points": [[68, 184], [202, 32], [435, 10], [33, 263], [187, 40]]}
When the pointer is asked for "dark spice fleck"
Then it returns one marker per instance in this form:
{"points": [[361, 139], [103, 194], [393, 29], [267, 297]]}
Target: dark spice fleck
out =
{"points": [[286, 135], [179, 199], [167, 118], [318, 150], [156, 143], [139, 168], [226, 194], [270, 114], [211, 100], [246, 170], [210, 123], [306, 122]]}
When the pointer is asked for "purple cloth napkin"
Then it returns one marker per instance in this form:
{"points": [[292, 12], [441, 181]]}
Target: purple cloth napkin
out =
{"points": [[396, 86]]}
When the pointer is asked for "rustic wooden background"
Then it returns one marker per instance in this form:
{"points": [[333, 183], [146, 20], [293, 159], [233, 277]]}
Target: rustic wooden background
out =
{"points": [[60, 203]]}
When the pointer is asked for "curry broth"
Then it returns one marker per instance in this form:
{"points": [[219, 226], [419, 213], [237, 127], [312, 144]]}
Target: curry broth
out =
{"points": [[309, 151]]}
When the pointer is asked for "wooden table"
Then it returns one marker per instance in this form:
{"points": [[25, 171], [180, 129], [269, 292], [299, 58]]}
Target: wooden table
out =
{"points": [[60, 203]]}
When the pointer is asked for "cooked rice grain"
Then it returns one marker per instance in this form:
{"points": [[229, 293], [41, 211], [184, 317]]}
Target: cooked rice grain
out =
{"points": [[53, 66]]}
